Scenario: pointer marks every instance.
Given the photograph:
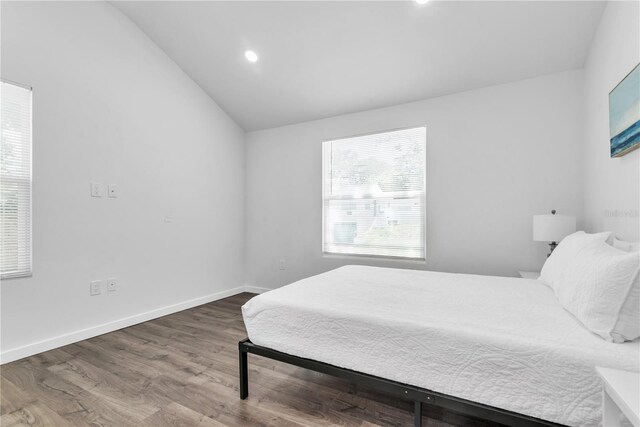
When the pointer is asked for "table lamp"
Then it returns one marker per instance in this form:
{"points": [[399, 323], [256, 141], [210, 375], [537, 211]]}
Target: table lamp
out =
{"points": [[552, 228]]}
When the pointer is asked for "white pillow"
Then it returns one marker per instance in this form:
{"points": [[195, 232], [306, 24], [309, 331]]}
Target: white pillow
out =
{"points": [[628, 326], [626, 246], [564, 252], [595, 286]]}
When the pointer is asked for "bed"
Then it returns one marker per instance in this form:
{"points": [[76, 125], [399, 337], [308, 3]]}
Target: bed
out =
{"points": [[476, 344]]}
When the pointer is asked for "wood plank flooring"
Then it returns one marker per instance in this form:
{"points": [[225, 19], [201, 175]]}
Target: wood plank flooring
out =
{"points": [[181, 370]]}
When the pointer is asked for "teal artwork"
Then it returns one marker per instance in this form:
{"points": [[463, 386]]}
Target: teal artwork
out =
{"points": [[624, 114]]}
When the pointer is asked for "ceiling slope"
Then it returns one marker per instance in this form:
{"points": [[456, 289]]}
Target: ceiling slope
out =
{"points": [[326, 58]]}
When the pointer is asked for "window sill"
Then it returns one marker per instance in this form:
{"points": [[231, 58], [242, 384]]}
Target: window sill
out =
{"points": [[12, 276], [391, 259]]}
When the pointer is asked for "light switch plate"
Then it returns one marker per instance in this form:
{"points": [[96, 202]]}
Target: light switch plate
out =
{"points": [[112, 284], [112, 191], [96, 189], [95, 287]]}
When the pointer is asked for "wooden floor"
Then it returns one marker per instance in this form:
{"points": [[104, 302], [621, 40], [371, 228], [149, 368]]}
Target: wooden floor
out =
{"points": [[181, 370]]}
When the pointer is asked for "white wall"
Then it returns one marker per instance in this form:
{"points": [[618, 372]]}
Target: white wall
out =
{"points": [[495, 157], [110, 106], [611, 186]]}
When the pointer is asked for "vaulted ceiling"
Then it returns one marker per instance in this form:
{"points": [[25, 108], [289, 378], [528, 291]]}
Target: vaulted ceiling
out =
{"points": [[324, 58]]}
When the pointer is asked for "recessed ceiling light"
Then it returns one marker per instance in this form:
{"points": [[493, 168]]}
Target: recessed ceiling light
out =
{"points": [[421, 1], [251, 56]]}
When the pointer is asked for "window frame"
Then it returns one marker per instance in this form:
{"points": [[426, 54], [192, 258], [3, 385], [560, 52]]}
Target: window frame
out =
{"points": [[335, 255], [18, 274]]}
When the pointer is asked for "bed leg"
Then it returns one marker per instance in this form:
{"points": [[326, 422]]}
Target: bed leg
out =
{"points": [[417, 413], [244, 374]]}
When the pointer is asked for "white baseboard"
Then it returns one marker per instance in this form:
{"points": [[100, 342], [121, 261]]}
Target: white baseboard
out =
{"points": [[256, 289], [83, 334]]}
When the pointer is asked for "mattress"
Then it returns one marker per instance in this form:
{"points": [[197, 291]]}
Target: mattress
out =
{"points": [[504, 342]]}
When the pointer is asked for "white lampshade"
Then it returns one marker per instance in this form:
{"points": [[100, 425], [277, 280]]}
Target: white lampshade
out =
{"points": [[552, 228]]}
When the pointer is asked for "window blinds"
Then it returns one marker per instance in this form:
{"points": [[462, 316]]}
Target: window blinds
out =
{"points": [[374, 194], [15, 180]]}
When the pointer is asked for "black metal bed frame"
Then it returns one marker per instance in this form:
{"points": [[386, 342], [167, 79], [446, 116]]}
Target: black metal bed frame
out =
{"points": [[418, 395]]}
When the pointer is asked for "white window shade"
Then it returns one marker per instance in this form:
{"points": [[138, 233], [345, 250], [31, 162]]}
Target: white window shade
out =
{"points": [[374, 194], [15, 181]]}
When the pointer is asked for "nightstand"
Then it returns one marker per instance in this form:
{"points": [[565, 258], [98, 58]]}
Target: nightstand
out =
{"points": [[529, 274], [620, 395]]}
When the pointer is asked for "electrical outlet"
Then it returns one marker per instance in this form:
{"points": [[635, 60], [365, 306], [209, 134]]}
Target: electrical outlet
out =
{"points": [[112, 284], [112, 191], [283, 264], [95, 287], [96, 189]]}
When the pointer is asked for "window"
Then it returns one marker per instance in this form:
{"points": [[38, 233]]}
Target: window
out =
{"points": [[15, 181], [374, 194]]}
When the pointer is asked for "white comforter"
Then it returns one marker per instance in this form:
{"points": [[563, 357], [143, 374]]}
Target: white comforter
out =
{"points": [[505, 342]]}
